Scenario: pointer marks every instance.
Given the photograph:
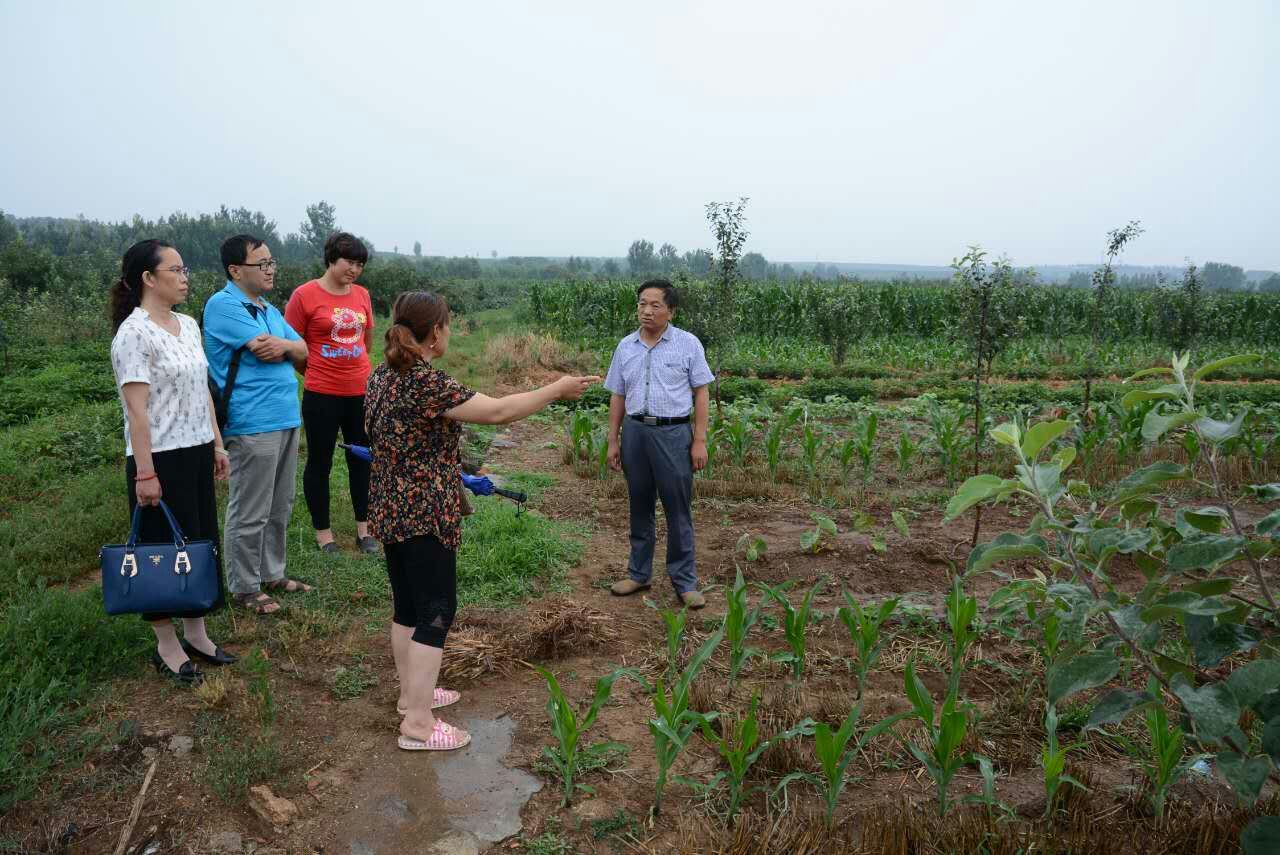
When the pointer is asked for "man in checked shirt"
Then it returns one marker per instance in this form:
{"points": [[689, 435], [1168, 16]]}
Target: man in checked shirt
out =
{"points": [[659, 378]]}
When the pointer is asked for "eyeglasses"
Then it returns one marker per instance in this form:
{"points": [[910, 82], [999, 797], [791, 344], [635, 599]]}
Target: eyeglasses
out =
{"points": [[181, 271], [264, 266]]}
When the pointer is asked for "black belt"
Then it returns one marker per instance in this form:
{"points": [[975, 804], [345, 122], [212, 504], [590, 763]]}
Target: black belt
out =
{"points": [[659, 420]]}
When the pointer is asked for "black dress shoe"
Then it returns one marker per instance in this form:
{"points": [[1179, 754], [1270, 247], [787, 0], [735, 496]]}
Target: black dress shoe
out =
{"points": [[219, 657], [187, 675]]}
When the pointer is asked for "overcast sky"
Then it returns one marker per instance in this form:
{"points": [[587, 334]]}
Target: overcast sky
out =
{"points": [[861, 131]]}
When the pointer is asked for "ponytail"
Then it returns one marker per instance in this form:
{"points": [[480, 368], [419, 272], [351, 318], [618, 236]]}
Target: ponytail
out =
{"points": [[126, 293], [414, 315], [402, 349]]}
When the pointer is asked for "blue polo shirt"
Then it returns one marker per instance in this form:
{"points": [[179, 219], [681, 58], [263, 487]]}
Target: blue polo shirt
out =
{"points": [[265, 397]]}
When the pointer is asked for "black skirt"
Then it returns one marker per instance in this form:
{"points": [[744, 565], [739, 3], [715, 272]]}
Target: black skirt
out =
{"points": [[186, 486]]}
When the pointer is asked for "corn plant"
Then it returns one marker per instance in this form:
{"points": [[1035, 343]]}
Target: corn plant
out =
{"points": [[752, 546], [1163, 758], [740, 747], [581, 426], [866, 629], [568, 752], [940, 751], [675, 622], [674, 722], [962, 611], [813, 449], [713, 446], [864, 439], [835, 751], [773, 440], [738, 621], [1053, 761], [795, 623], [812, 540], [905, 451], [946, 439], [1189, 606], [737, 435], [601, 459]]}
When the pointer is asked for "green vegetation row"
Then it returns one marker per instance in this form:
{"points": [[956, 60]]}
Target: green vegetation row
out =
{"points": [[827, 312]]}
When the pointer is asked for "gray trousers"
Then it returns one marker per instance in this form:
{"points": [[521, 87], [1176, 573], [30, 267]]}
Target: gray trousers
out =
{"points": [[655, 459], [264, 468]]}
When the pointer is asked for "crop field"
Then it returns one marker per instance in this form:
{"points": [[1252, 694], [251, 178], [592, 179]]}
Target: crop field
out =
{"points": [[1046, 628]]}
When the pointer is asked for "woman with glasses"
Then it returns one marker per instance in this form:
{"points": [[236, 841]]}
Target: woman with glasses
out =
{"points": [[335, 318], [173, 448]]}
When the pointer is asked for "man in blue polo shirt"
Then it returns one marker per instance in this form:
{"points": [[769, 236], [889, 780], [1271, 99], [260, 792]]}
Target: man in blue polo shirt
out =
{"points": [[263, 419], [658, 377]]}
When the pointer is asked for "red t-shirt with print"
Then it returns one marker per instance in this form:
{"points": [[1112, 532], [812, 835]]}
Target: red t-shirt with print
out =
{"points": [[334, 329]]}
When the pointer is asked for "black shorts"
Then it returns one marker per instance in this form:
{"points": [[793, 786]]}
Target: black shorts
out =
{"points": [[424, 587]]}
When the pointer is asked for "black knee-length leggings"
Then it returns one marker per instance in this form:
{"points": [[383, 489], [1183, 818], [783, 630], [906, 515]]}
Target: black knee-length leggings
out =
{"points": [[322, 417], [424, 587]]}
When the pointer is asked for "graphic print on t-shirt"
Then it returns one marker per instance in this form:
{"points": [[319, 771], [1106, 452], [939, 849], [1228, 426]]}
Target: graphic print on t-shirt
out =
{"points": [[348, 330]]}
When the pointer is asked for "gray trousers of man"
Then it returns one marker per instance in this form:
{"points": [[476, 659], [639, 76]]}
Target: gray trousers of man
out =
{"points": [[264, 468], [655, 459]]}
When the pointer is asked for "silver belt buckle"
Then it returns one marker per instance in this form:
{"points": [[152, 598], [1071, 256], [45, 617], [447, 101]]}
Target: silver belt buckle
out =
{"points": [[651, 420]]}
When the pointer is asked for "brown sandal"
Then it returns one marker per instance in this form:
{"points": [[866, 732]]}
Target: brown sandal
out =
{"points": [[257, 602], [288, 586]]}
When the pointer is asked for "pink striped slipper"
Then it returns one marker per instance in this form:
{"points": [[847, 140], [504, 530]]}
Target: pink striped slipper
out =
{"points": [[444, 737], [439, 698]]}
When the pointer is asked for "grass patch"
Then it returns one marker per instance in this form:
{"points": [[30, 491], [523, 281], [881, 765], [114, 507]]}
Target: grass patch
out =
{"points": [[56, 648], [507, 557], [350, 682]]}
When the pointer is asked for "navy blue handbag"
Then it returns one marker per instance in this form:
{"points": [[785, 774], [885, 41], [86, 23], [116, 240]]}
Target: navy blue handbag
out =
{"points": [[159, 577]]}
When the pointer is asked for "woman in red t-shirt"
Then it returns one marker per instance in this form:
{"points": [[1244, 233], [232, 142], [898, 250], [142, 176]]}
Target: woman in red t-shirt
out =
{"points": [[335, 318]]}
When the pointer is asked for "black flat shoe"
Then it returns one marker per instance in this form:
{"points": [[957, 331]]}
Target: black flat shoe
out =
{"points": [[330, 548], [187, 675], [219, 657]]}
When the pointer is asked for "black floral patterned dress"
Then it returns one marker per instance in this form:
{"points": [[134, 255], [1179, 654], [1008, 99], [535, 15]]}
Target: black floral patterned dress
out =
{"points": [[414, 483]]}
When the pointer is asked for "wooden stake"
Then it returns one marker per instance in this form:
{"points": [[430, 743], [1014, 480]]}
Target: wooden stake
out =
{"points": [[137, 810]]}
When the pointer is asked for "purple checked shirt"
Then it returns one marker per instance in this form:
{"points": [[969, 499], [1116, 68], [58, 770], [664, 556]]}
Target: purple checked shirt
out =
{"points": [[659, 380]]}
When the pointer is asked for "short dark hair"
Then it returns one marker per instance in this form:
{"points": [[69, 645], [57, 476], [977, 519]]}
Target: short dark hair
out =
{"points": [[669, 294], [344, 245], [236, 249]]}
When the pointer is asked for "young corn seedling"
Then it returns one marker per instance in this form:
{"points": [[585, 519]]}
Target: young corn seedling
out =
{"points": [[961, 613], [1163, 760], [864, 436], [773, 440], [738, 621], [569, 752], [713, 448], [740, 747], [795, 624], [601, 455], [835, 751], [866, 628], [940, 752], [580, 428], [812, 540], [1053, 760], [673, 722], [737, 435], [675, 622], [812, 450], [905, 450], [947, 439]]}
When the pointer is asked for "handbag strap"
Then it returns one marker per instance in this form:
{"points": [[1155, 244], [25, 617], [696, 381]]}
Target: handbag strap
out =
{"points": [[179, 540]]}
